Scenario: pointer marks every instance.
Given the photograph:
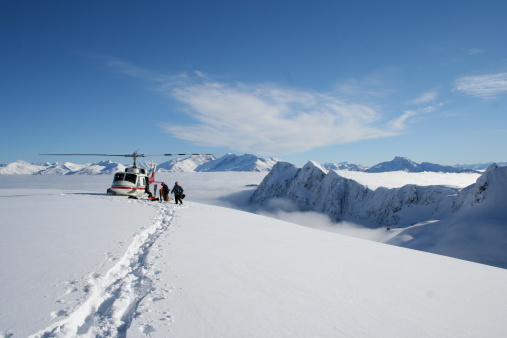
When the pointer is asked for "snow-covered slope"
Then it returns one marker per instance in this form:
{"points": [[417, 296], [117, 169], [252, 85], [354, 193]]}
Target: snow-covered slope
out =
{"points": [[344, 166], [21, 168], [110, 266], [311, 188], [61, 168], [478, 219], [67, 168], [233, 162], [188, 164]]}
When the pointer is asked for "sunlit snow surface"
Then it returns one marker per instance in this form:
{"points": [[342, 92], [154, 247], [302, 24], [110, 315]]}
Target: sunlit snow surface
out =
{"points": [[77, 262], [400, 178]]}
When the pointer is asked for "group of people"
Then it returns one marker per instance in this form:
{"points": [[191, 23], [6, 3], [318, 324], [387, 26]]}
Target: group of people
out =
{"points": [[177, 190]]}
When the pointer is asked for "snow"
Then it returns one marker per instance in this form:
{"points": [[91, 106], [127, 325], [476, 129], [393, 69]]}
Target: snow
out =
{"points": [[53, 242], [20, 167], [77, 262], [233, 162], [398, 179], [188, 164]]}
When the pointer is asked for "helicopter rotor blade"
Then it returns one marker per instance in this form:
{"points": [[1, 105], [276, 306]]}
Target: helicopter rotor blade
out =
{"points": [[86, 155], [125, 155], [146, 155]]}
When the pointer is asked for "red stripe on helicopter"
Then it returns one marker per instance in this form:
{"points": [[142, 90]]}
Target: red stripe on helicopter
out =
{"points": [[131, 188]]}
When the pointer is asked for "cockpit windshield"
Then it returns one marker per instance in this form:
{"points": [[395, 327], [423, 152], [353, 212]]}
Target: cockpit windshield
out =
{"points": [[119, 177], [131, 178]]}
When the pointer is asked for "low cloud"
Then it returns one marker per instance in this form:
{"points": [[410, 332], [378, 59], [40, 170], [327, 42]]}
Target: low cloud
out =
{"points": [[488, 86], [285, 210]]}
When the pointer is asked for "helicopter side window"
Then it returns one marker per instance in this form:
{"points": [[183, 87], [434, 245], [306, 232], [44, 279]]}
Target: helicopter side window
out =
{"points": [[118, 177], [131, 178]]}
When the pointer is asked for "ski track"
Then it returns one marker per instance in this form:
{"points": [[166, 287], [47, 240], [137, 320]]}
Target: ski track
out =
{"points": [[113, 298]]}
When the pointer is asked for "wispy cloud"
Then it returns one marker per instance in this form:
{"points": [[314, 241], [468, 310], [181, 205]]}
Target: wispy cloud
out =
{"points": [[363, 89], [474, 51], [269, 120], [423, 100], [263, 118], [425, 97], [487, 86], [400, 122]]}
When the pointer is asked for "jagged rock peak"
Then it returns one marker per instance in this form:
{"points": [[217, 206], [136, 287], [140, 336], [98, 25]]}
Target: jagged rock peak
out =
{"points": [[312, 164]]}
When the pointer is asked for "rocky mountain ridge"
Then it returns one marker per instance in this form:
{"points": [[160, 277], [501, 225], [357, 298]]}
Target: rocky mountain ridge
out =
{"points": [[312, 188]]}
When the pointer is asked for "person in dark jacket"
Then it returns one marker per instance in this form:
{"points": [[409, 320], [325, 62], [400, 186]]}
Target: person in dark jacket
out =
{"points": [[178, 193], [165, 192], [147, 190]]}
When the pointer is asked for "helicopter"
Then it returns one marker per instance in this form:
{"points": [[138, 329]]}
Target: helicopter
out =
{"points": [[133, 181]]}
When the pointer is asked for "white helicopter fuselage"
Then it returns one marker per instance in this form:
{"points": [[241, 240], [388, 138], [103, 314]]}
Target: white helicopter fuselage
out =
{"points": [[131, 182]]}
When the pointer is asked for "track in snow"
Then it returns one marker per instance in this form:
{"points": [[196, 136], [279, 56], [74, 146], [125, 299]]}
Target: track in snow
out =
{"points": [[114, 297]]}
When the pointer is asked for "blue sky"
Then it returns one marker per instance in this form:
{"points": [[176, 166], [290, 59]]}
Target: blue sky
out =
{"points": [[329, 81]]}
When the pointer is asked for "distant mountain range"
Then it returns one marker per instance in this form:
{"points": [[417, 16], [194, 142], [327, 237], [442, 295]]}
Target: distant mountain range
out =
{"points": [[345, 166], [229, 162], [209, 163], [404, 164], [195, 163], [480, 166], [67, 168]]}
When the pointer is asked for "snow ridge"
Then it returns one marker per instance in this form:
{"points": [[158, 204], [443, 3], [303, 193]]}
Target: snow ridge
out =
{"points": [[114, 298], [345, 166], [188, 164], [312, 188], [233, 162]]}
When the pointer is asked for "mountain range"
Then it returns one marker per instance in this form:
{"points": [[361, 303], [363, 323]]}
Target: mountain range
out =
{"points": [[194, 163], [404, 164], [229, 162]]}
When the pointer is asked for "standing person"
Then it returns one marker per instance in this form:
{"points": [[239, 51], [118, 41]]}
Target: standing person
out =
{"points": [[178, 192], [147, 190], [165, 192]]}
